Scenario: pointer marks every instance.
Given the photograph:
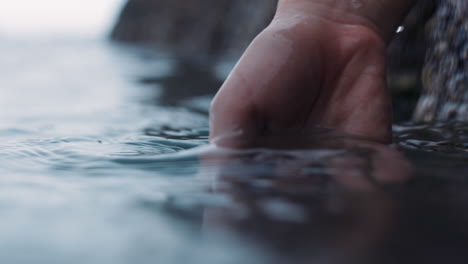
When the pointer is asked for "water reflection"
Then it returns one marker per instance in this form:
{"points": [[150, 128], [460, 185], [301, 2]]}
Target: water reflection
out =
{"points": [[441, 137], [329, 200]]}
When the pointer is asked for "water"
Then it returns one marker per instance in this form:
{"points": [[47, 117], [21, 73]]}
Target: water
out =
{"points": [[105, 159]]}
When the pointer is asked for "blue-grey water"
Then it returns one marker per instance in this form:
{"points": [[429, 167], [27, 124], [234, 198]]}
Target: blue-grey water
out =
{"points": [[81, 181], [104, 158]]}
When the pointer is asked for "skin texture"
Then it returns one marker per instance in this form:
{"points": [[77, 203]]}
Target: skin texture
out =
{"points": [[318, 64]]}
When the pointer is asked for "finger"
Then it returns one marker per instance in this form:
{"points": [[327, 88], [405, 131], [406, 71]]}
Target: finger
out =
{"points": [[269, 89]]}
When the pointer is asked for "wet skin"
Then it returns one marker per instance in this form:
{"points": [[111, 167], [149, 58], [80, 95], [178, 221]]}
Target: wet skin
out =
{"points": [[306, 71]]}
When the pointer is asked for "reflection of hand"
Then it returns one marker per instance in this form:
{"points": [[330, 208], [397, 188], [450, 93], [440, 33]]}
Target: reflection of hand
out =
{"points": [[305, 71], [338, 188], [356, 163]]}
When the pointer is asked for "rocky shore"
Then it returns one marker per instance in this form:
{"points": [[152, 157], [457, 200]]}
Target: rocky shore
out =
{"points": [[193, 26]]}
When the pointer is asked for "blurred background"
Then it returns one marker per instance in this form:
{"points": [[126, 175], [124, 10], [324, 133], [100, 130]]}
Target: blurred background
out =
{"points": [[54, 18], [199, 33]]}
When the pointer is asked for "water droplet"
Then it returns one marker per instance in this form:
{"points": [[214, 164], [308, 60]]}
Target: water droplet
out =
{"points": [[400, 29]]}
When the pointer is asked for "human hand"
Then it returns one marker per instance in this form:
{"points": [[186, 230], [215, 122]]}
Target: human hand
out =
{"points": [[306, 70]]}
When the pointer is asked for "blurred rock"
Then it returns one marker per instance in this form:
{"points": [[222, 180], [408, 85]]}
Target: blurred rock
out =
{"points": [[194, 27], [406, 59], [445, 75]]}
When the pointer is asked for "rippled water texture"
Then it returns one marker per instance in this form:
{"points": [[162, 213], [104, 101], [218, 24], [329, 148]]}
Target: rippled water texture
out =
{"points": [[104, 159]]}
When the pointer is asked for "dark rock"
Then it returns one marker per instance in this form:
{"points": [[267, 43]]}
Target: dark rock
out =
{"points": [[406, 59], [445, 75], [194, 26]]}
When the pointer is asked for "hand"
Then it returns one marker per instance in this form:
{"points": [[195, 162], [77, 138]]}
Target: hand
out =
{"points": [[307, 70]]}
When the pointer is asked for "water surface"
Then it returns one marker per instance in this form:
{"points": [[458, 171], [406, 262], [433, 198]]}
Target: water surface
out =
{"points": [[104, 158]]}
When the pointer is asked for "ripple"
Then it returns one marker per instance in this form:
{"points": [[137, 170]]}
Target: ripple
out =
{"points": [[92, 170], [449, 138], [90, 155]]}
